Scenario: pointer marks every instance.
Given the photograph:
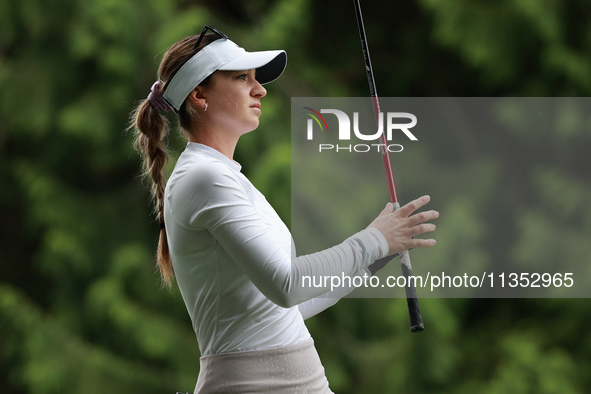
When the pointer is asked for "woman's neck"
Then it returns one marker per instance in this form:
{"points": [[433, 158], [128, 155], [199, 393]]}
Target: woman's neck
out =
{"points": [[224, 144]]}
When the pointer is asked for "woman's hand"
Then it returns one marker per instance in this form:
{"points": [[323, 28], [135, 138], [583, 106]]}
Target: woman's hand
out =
{"points": [[401, 226]]}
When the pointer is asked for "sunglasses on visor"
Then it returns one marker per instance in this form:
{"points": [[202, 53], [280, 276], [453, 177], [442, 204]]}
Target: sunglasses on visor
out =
{"points": [[214, 30]]}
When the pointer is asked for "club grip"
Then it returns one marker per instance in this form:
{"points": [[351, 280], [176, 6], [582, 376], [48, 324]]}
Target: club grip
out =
{"points": [[414, 312]]}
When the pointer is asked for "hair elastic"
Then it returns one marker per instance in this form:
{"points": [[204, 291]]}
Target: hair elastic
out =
{"points": [[156, 99]]}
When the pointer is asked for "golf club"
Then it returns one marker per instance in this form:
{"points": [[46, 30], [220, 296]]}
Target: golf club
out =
{"points": [[416, 320]]}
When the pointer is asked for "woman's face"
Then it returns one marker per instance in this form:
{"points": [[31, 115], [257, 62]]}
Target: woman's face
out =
{"points": [[234, 101]]}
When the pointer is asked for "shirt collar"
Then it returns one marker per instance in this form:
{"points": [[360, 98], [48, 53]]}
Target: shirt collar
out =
{"points": [[211, 152]]}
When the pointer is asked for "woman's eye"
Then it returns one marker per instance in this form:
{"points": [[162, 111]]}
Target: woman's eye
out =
{"points": [[243, 76]]}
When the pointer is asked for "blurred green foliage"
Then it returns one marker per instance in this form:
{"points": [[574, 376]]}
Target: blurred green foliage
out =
{"points": [[81, 308]]}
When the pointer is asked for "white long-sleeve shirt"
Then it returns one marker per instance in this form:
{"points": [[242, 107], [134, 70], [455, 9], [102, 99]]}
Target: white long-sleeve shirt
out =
{"points": [[235, 262]]}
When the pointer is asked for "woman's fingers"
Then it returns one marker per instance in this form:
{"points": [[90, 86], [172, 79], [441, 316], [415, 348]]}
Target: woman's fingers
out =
{"points": [[387, 210], [407, 210], [418, 226], [400, 226], [419, 243], [422, 229], [422, 217]]}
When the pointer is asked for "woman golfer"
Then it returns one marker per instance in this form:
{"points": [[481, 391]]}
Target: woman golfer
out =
{"points": [[232, 256]]}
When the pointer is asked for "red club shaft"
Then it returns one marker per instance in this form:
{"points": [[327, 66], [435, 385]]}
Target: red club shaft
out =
{"points": [[385, 154]]}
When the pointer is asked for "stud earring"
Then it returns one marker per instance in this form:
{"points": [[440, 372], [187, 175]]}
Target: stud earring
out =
{"points": [[205, 109]]}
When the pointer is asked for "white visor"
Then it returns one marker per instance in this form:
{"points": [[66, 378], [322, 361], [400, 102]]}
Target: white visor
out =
{"points": [[222, 54]]}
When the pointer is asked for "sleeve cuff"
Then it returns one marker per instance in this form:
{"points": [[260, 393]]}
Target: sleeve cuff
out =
{"points": [[383, 247]]}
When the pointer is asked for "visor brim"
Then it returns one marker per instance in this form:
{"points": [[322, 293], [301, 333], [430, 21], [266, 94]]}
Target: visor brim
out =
{"points": [[269, 65]]}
